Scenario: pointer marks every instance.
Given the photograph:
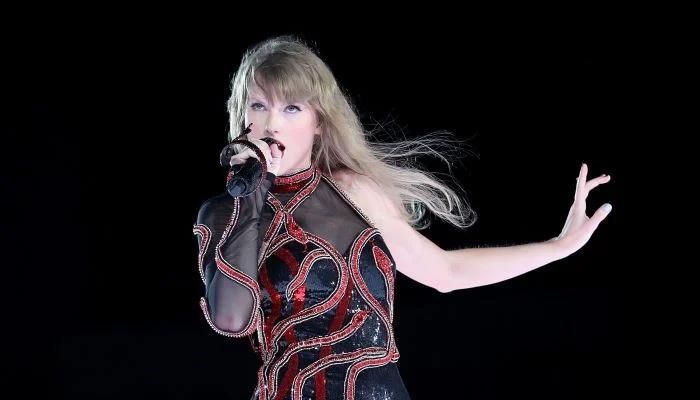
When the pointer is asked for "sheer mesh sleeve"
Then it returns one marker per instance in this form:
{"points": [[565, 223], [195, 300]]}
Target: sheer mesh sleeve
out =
{"points": [[227, 230]]}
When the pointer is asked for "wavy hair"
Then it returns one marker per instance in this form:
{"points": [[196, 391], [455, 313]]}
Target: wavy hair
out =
{"points": [[287, 68]]}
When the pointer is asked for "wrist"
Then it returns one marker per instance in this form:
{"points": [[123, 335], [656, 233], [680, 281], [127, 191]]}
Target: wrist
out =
{"points": [[560, 247]]}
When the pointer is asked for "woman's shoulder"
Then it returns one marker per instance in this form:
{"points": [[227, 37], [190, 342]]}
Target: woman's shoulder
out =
{"points": [[365, 192], [353, 182], [345, 178]]}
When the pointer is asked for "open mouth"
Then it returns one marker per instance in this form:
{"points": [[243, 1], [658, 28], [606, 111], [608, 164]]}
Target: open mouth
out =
{"points": [[270, 141]]}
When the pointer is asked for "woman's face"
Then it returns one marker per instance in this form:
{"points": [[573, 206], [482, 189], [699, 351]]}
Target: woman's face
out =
{"points": [[292, 124]]}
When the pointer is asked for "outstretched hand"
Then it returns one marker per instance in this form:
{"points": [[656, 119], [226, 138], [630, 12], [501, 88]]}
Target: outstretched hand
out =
{"points": [[578, 227]]}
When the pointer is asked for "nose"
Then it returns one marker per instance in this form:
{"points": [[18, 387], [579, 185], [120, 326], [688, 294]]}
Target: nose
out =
{"points": [[272, 123]]}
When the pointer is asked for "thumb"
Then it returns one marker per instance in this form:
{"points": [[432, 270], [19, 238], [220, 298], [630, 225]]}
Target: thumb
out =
{"points": [[600, 214]]}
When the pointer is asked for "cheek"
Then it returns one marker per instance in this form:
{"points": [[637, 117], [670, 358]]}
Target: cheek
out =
{"points": [[258, 124], [305, 129], [304, 137]]}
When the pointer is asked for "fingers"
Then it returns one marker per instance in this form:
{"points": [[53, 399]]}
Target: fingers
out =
{"points": [[241, 157], [272, 153], [580, 183], [235, 160], [265, 148], [590, 185], [583, 186], [600, 215]]}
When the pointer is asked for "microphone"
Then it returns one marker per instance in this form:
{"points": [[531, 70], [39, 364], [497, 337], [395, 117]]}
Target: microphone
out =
{"points": [[243, 179]]}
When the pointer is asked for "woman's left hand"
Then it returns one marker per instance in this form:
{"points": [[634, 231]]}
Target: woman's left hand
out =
{"points": [[578, 227]]}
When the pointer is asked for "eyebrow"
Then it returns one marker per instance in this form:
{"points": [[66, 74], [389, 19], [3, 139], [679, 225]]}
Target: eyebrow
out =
{"points": [[263, 99]]}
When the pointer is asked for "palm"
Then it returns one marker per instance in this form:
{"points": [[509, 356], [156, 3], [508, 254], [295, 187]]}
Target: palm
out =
{"points": [[578, 227]]}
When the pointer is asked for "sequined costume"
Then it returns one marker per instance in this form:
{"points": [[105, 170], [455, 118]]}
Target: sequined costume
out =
{"points": [[299, 269]]}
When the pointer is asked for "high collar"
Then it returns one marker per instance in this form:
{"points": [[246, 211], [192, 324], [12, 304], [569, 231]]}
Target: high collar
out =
{"points": [[291, 183]]}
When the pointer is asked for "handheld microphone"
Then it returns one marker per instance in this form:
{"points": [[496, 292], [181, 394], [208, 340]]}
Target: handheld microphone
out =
{"points": [[243, 179]]}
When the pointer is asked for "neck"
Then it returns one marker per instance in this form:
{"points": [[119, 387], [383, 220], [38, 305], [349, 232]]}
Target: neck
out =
{"points": [[293, 180], [295, 170]]}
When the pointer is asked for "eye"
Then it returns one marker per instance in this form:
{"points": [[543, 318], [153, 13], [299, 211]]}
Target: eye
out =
{"points": [[257, 106], [293, 109]]}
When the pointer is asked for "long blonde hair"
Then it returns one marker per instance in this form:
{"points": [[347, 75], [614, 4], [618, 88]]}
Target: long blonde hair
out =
{"points": [[287, 68]]}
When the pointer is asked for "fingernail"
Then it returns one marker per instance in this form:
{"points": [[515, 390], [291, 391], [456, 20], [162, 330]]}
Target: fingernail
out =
{"points": [[607, 207]]}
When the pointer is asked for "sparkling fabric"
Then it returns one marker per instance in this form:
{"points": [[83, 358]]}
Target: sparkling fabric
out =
{"points": [[301, 272]]}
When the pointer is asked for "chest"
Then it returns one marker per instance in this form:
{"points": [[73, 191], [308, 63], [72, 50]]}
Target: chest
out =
{"points": [[307, 274]]}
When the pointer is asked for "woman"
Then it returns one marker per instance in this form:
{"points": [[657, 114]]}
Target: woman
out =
{"points": [[307, 262]]}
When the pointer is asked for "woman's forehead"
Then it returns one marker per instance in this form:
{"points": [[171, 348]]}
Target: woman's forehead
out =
{"points": [[256, 91], [267, 94]]}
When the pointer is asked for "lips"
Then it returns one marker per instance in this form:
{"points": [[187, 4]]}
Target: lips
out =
{"points": [[270, 141]]}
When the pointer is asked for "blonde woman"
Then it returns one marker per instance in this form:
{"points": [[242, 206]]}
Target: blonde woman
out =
{"points": [[305, 265]]}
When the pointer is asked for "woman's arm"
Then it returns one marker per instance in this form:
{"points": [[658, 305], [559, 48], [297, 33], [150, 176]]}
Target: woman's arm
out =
{"points": [[421, 260], [227, 229]]}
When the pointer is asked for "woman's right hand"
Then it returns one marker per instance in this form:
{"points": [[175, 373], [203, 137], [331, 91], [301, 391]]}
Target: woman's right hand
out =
{"points": [[273, 154]]}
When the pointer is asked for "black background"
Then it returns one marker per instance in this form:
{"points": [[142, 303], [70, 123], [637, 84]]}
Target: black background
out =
{"points": [[115, 129]]}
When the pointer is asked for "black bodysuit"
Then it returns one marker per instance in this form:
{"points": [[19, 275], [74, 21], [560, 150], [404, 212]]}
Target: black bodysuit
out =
{"points": [[301, 266]]}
